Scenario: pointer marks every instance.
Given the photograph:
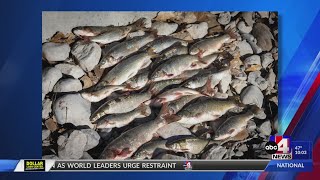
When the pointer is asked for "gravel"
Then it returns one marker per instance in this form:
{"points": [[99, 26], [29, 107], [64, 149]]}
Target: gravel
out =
{"points": [[252, 95]]}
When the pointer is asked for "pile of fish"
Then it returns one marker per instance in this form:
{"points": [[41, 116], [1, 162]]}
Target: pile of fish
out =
{"points": [[190, 85]]}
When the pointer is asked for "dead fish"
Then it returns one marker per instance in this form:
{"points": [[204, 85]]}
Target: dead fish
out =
{"points": [[138, 81], [174, 50], [128, 142], [121, 104], [174, 67], [90, 31], [127, 69], [157, 87], [192, 145], [209, 46], [174, 94], [150, 149], [235, 124], [120, 120], [100, 93], [206, 110], [163, 43], [123, 49], [176, 105], [111, 36], [188, 74], [201, 79]]}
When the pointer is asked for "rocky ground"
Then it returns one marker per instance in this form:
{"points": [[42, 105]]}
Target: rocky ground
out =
{"points": [[70, 67]]}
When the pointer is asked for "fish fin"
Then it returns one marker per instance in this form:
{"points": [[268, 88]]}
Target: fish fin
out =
{"points": [[236, 99], [128, 87], [208, 90], [200, 53], [139, 24], [145, 110], [124, 152], [232, 33], [171, 118]]}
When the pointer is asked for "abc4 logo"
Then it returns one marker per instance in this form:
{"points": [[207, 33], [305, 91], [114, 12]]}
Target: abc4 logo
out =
{"points": [[279, 146]]}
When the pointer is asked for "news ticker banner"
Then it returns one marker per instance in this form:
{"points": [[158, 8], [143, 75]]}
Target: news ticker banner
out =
{"points": [[286, 155], [42, 165]]}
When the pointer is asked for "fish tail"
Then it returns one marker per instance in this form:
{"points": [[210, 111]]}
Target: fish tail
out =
{"points": [[167, 116], [236, 99], [139, 24], [145, 110], [232, 33], [257, 112]]}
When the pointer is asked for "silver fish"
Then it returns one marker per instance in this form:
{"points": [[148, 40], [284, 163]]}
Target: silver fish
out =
{"points": [[126, 69], [163, 43], [174, 67], [192, 145], [175, 93], [120, 120], [234, 125], [209, 46], [90, 31], [120, 104], [201, 79], [111, 36], [101, 93], [127, 143], [150, 149], [124, 49], [157, 87], [138, 81], [206, 110], [176, 105]]}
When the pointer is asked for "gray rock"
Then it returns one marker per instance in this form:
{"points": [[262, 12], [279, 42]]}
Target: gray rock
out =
{"points": [[224, 84], [72, 108], [216, 153], [224, 18], [55, 51], [50, 77], [266, 59], [87, 54], [252, 60], [243, 28], [92, 137], [263, 35], [253, 43], [45, 134], [239, 153], [68, 85], [256, 79], [243, 148], [173, 129], [105, 133], [252, 95], [164, 28], [265, 128], [234, 13], [74, 147], [46, 108], [260, 114], [248, 18], [238, 85], [136, 33], [251, 126], [51, 156], [70, 69], [86, 155], [62, 139], [244, 48], [197, 30]]}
